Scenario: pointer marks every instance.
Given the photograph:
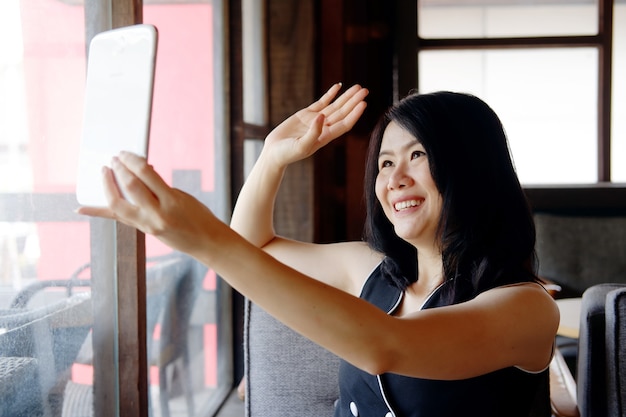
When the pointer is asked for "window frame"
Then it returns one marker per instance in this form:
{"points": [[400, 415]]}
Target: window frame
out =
{"points": [[119, 334], [408, 49], [241, 132]]}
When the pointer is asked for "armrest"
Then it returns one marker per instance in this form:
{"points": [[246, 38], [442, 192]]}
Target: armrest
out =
{"points": [[23, 297], [562, 388], [616, 362]]}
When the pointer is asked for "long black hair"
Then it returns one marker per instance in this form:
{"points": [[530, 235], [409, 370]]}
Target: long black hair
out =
{"points": [[486, 230]]}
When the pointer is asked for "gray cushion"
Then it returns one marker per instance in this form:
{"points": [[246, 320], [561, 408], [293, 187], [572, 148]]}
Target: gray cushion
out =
{"points": [[287, 374], [581, 251]]}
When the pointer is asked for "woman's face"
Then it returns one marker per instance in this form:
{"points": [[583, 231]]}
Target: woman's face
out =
{"points": [[405, 187]]}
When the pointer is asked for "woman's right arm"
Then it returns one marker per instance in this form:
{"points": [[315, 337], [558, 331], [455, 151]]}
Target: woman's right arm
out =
{"points": [[295, 139], [254, 211]]}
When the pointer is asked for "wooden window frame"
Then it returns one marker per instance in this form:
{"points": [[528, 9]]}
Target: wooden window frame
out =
{"points": [[603, 42], [571, 198], [119, 334]]}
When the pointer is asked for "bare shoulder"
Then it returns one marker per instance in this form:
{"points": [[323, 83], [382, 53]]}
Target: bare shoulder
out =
{"points": [[530, 297], [530, 314], [344, 265], [523, 290], [357, 261]]}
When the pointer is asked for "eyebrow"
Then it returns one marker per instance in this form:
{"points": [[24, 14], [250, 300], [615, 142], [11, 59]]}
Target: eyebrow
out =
{"points": [[403, 148]]}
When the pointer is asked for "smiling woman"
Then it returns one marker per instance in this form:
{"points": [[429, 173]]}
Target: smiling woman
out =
{"points": [[464, 254]]}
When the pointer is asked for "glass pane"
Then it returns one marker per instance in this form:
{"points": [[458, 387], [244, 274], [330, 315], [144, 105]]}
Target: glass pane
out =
{"points": [[45, 297], [546, 99], [251, 151], [506, 18], [618, 130], [254, 76], [188, 367]]}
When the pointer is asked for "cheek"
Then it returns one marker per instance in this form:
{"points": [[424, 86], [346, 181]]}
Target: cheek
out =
{"points": [[380, 189], [426, 178]]}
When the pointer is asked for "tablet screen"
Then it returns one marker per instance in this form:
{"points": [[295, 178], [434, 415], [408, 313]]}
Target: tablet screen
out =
{"points": [[118, 104]]}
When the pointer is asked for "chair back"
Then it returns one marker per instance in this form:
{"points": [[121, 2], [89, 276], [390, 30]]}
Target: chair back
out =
{"points": [[598, 372], [616, 352], [52, 335], [287, 375], [172, 288], [173, 285]]}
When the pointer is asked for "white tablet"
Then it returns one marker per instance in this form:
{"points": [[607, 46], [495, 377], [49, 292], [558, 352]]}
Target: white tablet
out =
{"points": [[118, 104]]}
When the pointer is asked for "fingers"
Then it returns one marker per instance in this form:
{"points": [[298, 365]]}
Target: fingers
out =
{"points": [[95, 212], [131, 172], [121, 190], [345, 104], [131, 187], [326, 99], [342, 105], [345, 123], [142, 170], [139, 181], [309, 140], [111, 192], [343, 113]]}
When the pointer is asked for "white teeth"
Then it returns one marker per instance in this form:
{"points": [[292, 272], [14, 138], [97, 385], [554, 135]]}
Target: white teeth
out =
{"points": [[406, 204]]}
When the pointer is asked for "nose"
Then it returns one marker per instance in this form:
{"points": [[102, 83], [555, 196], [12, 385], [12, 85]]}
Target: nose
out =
{"points": [[399, 178]]}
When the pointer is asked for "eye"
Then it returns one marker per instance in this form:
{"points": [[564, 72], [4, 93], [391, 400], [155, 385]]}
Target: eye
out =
{"points": [[417, 154], [385, 163]]}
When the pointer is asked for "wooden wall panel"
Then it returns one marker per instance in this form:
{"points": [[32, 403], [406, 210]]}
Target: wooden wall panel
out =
{"points": [[291, 39]]}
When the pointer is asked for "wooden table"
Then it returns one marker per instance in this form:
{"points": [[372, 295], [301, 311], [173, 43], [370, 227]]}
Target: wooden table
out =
{"points": [[570, 317]]}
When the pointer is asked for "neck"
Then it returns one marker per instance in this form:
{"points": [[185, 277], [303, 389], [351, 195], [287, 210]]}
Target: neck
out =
{"points": [[430, 269]]}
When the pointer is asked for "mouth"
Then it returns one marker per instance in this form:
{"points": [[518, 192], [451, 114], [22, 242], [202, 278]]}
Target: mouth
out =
{"points": [[407, 204]]}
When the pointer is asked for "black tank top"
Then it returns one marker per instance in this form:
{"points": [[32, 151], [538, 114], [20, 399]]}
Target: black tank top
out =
{"points": [[509, 392]]}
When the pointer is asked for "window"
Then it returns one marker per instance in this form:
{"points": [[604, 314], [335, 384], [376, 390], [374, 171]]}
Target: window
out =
{"points": [[553, 70], [188, 149], [44, 295], [59, 270]]}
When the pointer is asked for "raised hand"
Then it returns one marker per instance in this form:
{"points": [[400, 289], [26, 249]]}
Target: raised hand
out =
{"points": [[313, 127]]}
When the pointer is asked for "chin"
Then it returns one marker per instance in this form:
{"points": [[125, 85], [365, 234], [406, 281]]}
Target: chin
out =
{"points": [[408, 235], [415, 238]]}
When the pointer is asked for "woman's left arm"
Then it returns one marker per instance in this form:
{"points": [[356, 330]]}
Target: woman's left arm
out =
{"points": [[509, 326], [504, 327]]}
